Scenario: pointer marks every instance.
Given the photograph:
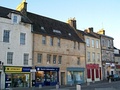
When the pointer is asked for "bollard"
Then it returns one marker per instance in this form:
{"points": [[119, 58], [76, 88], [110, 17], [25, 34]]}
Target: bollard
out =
{"points": [[78, 87], [110, 80], [88, 83], [57, 86], [40, 86]]}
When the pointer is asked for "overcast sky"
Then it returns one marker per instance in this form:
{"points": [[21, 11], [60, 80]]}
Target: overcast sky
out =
{"points": [[88, 13]]}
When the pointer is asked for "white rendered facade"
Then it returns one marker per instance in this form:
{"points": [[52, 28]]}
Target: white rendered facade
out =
{"points": [[14, 45]]}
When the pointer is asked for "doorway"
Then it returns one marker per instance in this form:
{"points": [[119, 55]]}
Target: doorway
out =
{"points": [[62, 78]]}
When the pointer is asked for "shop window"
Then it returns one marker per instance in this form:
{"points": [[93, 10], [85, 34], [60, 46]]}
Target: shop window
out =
{"points": [[40, 76]]}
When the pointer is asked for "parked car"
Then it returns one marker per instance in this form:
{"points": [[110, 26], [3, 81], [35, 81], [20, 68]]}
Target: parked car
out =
{"points": [[114, 77]]}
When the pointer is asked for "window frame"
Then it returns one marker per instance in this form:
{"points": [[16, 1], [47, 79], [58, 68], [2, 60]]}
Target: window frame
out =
{"points": [[6, 36], [25, 60], [22, 38], [9, 57]]}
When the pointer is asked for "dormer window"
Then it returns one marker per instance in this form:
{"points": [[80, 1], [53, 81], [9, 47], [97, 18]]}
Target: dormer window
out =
{"points": [[69, 34], [56, 31], [15, 19]]}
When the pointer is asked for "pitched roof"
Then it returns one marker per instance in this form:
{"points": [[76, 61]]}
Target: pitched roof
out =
{"points": [[52, 27], [4, 12], [94, 35]]}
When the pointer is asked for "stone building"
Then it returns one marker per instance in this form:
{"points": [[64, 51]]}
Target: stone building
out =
{"points": [[107, 54], [58, 52]]}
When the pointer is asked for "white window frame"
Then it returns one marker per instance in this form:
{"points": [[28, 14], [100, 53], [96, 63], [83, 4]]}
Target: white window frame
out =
{"points": [[9, 57], [22, 38], [26, 58], [93, 43], [88, 42]]}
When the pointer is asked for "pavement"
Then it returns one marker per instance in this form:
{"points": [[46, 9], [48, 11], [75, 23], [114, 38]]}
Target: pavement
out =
{"points": [[62, 87]]}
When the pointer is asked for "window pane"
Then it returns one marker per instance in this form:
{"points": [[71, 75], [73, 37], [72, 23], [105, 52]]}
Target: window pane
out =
{"points": [[22, 38], [14, 19], [48, 59], [43, 40], [54, 59], [39, 58], [9, 57], [6, 36], [26, 59], [58, 42], [51, 41], [59, 59]]}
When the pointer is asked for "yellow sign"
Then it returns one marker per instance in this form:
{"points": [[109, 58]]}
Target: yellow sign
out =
{"points": [[13, 69]]}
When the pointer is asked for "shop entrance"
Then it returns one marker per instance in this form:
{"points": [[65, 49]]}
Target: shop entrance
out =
{"points": [[62, 78]]}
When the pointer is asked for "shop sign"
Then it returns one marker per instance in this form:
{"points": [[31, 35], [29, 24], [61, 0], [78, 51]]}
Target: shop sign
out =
{"points": [[92, 66], [17, 69], [33, 70], [13, 69], [47, 69]]}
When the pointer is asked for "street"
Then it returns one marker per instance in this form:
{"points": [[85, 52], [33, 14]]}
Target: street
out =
{"points": [[102, 85]]}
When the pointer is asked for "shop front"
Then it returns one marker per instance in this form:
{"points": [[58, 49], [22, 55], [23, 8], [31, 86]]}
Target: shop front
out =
{"points": [[17, 76], [75, 75], [93, 72], [46, 76]]}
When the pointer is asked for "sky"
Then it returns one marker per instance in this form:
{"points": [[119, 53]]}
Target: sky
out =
{"points": [[88, 13]]}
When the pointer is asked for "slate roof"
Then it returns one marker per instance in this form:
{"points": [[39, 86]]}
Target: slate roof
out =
{"points": [[4, 12], [94, 35], [51, 25]]}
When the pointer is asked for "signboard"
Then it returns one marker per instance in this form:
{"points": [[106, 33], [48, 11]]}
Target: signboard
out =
{"points": [[17, 69], [33, 70]]}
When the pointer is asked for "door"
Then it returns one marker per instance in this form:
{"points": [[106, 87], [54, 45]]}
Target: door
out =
{"points": [[93, 75], [62, 78]]}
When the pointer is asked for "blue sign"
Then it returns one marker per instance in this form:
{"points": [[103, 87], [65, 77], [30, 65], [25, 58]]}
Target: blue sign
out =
{"points": [[47, 68], [26, 69]]}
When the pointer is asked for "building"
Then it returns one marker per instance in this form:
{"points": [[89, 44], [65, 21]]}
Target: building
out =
{"points": [[58, 52], [117, 60], [16, 49], [93, 55], [107, 54]]}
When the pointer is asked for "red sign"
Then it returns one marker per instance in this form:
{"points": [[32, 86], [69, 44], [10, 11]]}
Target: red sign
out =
{"points": [[117, 66], [92, 66]]}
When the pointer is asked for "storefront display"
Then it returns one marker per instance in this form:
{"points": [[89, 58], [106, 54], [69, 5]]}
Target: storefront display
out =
{"points": [[75, 75], [47, 76], [17, 77]]}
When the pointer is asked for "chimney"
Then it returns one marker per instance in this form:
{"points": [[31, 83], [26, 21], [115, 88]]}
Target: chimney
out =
{"points": [[101, 32], [89, 30], [22, 7], [72, 22]]}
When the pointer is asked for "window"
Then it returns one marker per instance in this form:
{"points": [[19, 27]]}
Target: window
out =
{"points": [[74, 45], [97, 44], [43, 40], [88, 42], [93, 45], [78, 46], [51, 41], [6, 36], [54, 59], [93, 57], [48, 59], [78, 61], [88, 56], [39, 58], [108, 43], [59, 42], [22, 38], [9, 57], [98, 57], [59, 59], [15, 19], [26, 59]]}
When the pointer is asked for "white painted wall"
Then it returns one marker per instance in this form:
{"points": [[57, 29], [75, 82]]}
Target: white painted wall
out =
{"points": [[14, 44]]}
